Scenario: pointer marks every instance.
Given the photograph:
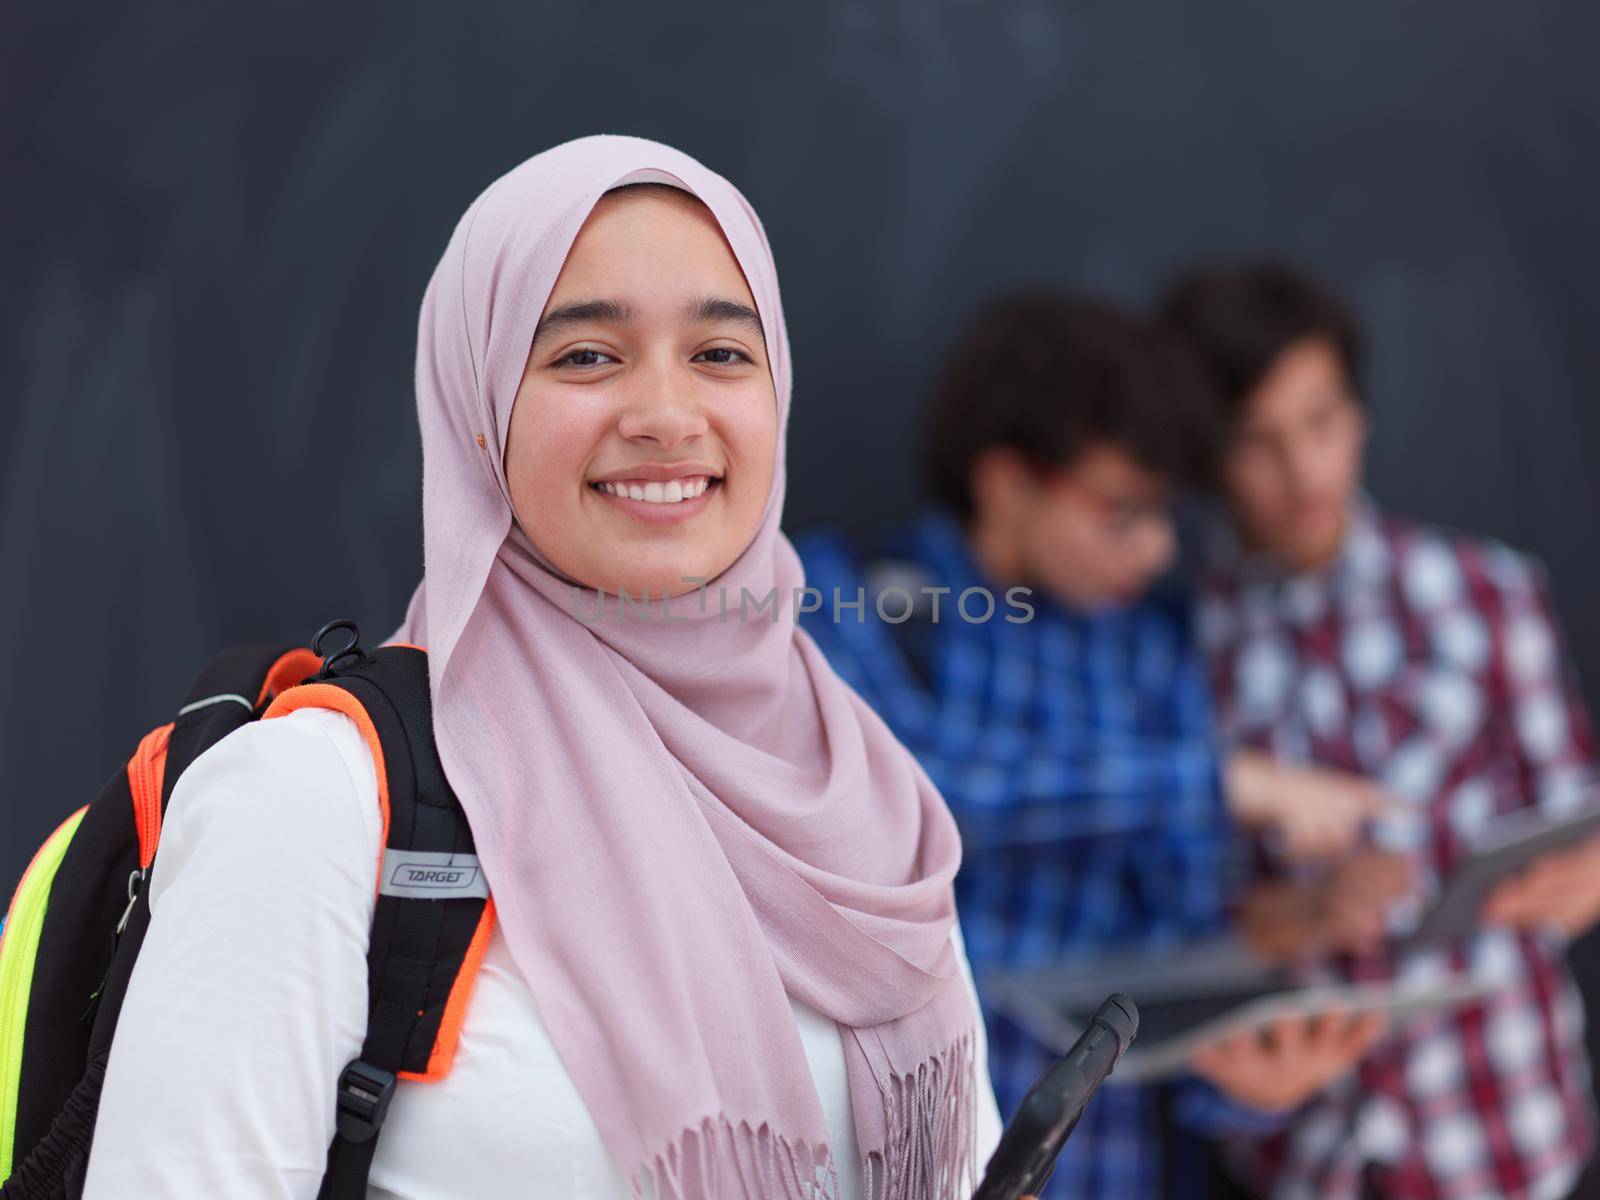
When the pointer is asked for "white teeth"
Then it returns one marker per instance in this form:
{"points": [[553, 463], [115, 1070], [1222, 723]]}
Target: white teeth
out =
{"points": [[672, 492]]}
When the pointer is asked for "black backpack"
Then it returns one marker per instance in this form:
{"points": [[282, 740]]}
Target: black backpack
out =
{"points": [[79, 915]]}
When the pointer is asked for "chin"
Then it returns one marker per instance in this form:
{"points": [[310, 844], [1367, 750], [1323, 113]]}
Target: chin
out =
{"points": [[1074, 599], [1309, 553]]}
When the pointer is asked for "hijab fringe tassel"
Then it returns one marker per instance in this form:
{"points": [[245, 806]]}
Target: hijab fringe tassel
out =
{"points": [[930, 1154]]}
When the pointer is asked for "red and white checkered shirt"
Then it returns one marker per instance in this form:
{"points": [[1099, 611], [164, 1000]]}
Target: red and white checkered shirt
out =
{"points": [[1432, 662]]}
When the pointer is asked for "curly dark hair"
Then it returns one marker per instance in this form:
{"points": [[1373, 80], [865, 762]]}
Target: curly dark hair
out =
{"points": [[1240, 319], [1051, 376]]}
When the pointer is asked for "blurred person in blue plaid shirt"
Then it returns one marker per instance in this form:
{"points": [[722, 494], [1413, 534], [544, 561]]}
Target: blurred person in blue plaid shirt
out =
{"points": [[1062, 709]]}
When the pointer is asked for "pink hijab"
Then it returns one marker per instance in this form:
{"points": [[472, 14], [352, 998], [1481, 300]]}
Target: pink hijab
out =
{"points": [[685, 822]]}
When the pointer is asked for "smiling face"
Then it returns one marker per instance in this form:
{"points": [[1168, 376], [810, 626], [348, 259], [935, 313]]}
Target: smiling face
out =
{"points": [[644, 436]]}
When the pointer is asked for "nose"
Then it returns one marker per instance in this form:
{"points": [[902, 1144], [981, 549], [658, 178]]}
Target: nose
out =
{"points": [[663, 407], [1305, 472]]}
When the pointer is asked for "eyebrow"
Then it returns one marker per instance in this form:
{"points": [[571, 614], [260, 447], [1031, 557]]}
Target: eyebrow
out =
{"points": [[616, 312], [715, 309], [583, 312]]}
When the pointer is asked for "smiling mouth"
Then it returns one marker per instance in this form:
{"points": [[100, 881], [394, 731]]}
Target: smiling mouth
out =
{"points": [[673, 491]]}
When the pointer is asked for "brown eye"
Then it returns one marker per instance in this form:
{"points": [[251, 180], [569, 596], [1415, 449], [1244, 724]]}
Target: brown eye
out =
{"points": [[722, 356], [583, 358]]}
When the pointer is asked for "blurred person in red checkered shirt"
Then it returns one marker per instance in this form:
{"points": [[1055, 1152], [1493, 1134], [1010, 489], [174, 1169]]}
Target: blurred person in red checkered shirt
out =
{"points": [[1430, 663]]}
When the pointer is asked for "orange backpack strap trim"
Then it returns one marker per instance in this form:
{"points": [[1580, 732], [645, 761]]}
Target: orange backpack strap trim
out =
{"points": [[443, 1055], [147, 770], [291, 668]]}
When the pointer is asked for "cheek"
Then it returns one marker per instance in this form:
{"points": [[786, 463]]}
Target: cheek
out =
{"points": [[550, 445], [751, 437], [1253, 480], [1065, 543]]}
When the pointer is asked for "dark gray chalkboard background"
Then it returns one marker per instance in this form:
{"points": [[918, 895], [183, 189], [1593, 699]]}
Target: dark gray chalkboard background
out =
{"points": [[218, 222]]}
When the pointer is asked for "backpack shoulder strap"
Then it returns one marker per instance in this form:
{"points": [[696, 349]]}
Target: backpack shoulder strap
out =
{"points": [[433, 917], [231, 690]]}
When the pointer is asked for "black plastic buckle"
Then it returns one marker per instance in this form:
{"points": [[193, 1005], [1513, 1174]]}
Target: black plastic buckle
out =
{"points": [[364, 1095], [347, 657]]}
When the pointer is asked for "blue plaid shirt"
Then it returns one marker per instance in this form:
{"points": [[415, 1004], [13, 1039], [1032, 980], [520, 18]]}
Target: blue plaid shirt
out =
{"points": [[1077, 755]]}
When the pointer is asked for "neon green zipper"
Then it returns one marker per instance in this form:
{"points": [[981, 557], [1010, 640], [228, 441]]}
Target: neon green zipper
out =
{"points": [[18, 946]]}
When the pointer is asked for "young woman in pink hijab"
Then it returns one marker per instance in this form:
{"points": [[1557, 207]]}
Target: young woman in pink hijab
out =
{"points": [[726, 962]]}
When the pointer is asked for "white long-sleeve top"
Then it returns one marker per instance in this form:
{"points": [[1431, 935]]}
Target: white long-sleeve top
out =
{"points": [[250, 995]]}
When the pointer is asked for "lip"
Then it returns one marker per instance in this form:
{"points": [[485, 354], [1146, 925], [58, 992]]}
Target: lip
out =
{"points": [[658, 472], [655, 513]]}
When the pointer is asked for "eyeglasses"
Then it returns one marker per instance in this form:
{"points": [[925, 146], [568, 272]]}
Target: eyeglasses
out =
{"points": [[1123, 518]]}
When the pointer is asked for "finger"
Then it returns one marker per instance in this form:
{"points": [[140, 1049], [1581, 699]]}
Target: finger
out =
{"points": [[1330, 1031], [1553, 870], [1336, 1023], [1219, 1061], [1327, 1026], [1549, 890], [1302, 1036], [1541, 899], [1374, 800], [1355, 1034], [1573, 869], [1288, 1035], [1225, 1049], [1506, 904], [1581, 915], [1572, 911], [1369, 1029]]}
